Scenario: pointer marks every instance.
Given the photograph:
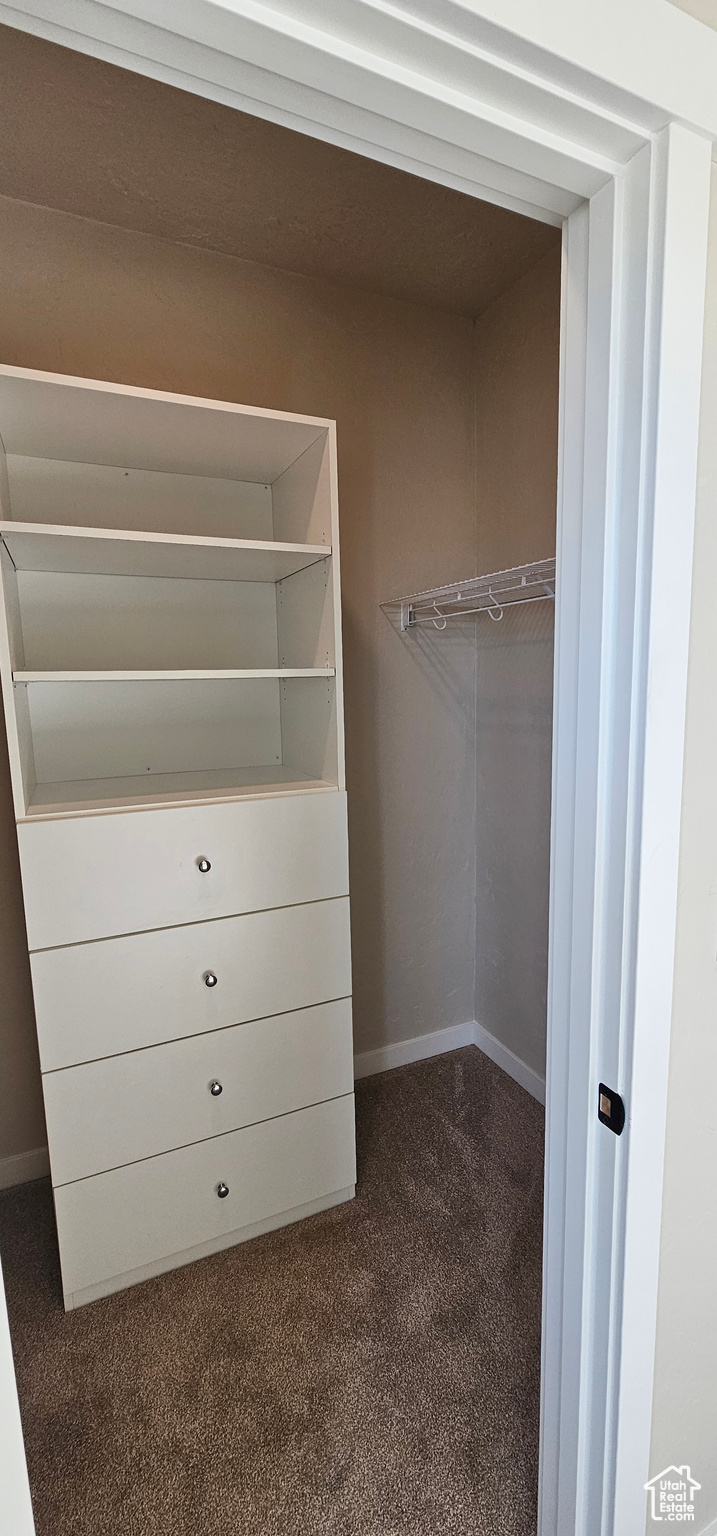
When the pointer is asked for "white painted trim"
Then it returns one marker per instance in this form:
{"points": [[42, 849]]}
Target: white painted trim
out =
{"points": [[507, 52], [630, 387], [521, 1073], [17, 1508], [23, 1167], [422, 1047], [557, 1444], [505, 114], [419, 1048], [677, 282], [676, 73], [375, 80]]}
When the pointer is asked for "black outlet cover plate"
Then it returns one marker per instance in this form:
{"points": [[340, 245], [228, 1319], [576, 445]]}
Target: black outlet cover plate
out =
{"points": [[611, 1110]]}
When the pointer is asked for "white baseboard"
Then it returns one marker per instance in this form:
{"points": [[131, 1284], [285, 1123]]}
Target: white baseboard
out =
{"points": [[23, 1167], [421, 1047], [510, 1063], [367, 1063]]}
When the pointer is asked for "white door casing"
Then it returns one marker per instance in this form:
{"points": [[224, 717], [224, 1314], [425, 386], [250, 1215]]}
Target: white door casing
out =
{"points": [[633, 302], [14, 1488], [447, 93]]}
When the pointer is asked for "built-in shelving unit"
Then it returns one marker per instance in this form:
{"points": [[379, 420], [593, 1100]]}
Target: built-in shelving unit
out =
{"points": [[170, 645], [170, 586]]}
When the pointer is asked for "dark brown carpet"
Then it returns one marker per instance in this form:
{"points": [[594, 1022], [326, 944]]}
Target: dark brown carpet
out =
{"points": [[373, 1371]]}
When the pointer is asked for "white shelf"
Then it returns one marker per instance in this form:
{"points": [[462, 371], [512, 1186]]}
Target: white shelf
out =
{"points": [[209, 590], [112, 552], [56, 416], [490, 594], [88, 796], [224, 674]]}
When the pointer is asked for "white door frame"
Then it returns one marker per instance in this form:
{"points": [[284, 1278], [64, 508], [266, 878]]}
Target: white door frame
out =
{"points": [[435, 88], [14, 1486], [633, 304]]}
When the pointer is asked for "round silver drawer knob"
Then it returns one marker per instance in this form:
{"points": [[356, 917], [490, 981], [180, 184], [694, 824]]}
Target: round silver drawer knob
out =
{"points": [[210, 979], [203, 865], [215, 1089], [222, 1191]]}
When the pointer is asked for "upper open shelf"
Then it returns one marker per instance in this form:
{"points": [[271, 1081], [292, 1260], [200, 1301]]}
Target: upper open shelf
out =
{"points": [[169, 598], [111, 552], [58, 417]]}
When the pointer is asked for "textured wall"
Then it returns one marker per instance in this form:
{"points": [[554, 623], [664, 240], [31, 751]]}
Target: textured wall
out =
{"points": [[517, 371], [84, 298], [685, 1392], [112, 145]]}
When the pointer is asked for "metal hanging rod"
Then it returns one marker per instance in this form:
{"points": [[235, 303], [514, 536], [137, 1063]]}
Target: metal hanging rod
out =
{"points": [[480, 594]]}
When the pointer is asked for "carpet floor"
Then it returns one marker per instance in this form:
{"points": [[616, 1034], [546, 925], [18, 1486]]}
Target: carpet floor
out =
{"points": [[373, 1371]]}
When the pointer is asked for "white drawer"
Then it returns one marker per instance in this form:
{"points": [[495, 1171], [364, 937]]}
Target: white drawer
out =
{"points": [[122, 1221], [125, 1108], [93, 876], [123, 994]]}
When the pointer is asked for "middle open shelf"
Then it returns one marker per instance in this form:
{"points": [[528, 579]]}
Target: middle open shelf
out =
{"points": [[67, 550], [101, 606], [150, 667], [173, 614]]}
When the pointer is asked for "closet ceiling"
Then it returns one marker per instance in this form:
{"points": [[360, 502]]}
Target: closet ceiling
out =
{"points": [[86, 137]]}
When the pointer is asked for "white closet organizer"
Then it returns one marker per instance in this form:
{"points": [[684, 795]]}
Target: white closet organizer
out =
{"points": [[490, 594], [170, 652]]}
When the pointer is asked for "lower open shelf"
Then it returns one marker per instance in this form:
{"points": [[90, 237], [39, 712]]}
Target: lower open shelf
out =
{"points": [[85, 796]]}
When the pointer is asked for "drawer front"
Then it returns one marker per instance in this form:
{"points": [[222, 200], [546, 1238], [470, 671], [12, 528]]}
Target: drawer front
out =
{"points": [[94, 1000], [117, 1111], [131, 1217], [90, 877]]}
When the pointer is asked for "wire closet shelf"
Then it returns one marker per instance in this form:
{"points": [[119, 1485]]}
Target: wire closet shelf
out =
{"points": [[490, 594]]}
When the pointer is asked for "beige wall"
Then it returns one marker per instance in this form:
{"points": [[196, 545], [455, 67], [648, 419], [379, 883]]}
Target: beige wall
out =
{"points": [[517, 375], [702, 10], [85, 298], [407, 389], [685, 1392]]}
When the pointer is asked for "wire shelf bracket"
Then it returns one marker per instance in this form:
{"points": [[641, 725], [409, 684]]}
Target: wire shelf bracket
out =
{"points": [[490, 594]]}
